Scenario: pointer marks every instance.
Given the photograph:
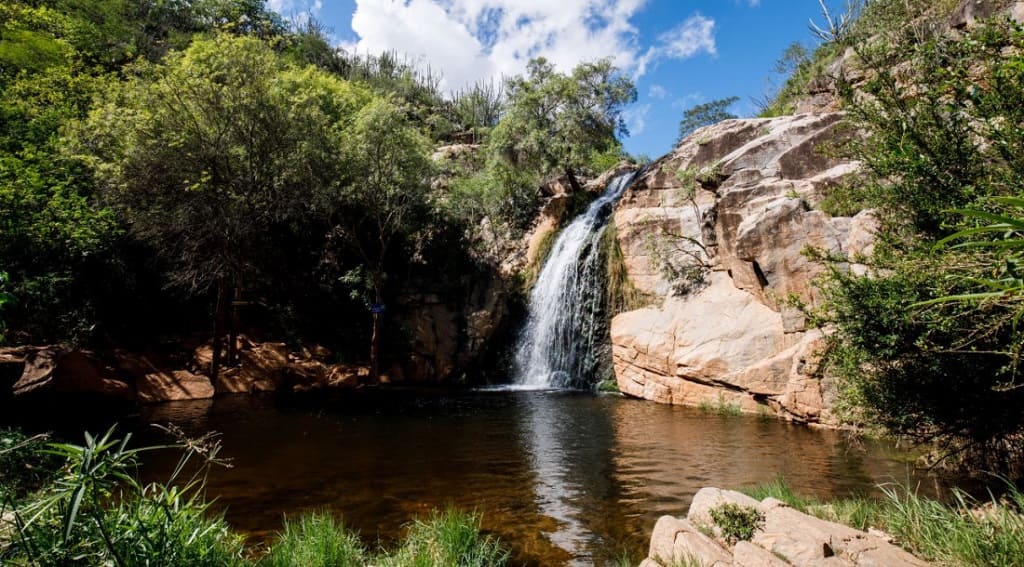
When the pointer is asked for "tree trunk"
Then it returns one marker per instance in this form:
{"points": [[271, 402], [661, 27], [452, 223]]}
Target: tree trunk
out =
{"points": [[233, 327], [378, 324], [218, 329], [573, 182]]}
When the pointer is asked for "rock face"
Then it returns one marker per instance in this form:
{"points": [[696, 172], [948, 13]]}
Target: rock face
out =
{"points": [[785, 537], [717, 230]]}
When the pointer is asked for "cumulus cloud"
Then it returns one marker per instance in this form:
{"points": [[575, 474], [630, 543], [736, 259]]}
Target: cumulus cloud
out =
{"points": [[468, 40], [636, 118], [297, 10]]}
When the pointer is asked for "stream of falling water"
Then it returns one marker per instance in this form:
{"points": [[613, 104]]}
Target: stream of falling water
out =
{"points": [[558, 346]]}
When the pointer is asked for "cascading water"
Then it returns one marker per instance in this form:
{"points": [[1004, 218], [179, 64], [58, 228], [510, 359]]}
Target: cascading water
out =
{"points": [[558, 345]]}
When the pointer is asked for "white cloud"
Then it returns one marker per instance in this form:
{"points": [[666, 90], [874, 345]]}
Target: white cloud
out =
{"points": [[636, 118], [657, 91], [693, 36], [469, 40], [296, 10]]}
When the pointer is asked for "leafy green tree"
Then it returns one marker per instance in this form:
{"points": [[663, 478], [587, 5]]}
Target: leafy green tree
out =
{"points": [[930, 346], [555, 122], [706, 114], [385, 201], [209, 153]]}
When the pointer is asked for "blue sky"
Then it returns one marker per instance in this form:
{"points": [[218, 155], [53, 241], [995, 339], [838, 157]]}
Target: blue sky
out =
{"points": [[679, 52]]}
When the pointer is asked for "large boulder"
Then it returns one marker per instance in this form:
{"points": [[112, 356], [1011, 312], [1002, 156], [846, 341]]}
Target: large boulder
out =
{"points": [[737, 202], [783, 537], [32, 370], [173, 386]]}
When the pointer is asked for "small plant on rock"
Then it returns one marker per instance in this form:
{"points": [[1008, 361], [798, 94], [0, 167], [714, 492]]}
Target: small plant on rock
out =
{"points": [[737, 523]]}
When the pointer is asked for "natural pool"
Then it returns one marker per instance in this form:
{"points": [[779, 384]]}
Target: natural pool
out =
{"points": [[562, 478]]}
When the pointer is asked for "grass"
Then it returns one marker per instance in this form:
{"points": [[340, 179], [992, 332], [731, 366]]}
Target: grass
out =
{"points": [[315, 540], [721, 407], [449, 538], [94, 511], [964, 532], [620, 293]]}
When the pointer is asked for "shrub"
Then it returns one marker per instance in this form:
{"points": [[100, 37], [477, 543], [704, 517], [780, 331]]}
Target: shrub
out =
{"points": [[738, 523], [97, 513]]}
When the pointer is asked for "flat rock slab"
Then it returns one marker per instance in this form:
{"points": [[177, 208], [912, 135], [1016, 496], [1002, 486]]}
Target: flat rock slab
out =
{"points": [[788, 537]]}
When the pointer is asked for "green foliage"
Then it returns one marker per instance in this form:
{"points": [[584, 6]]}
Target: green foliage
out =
{"points": [[706, 114], [721, 407], [737, 523], [555, 122], [964, 531], [95, 512], [205, 154], [929, 346], [498, 192], [448, 538], [620, 293], [24, 467], [315, 540]]}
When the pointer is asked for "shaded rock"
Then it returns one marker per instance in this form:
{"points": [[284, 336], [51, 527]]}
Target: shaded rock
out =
{"points": [[345, 376], [38, 365], [57, 369], [969, 12], [261, 369], [83, 372], [173, 386]]}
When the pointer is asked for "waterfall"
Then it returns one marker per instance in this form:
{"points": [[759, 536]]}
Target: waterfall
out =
{"points": [[558, 345]]}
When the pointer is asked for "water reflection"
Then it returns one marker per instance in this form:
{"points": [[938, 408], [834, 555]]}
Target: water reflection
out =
{"points": [[564, 479]]}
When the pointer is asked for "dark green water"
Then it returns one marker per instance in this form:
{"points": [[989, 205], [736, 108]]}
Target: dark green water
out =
{"points": [[562, 478]]}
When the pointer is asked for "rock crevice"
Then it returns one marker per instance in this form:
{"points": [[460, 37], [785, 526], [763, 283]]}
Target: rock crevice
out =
{"points": [[748, 192]]}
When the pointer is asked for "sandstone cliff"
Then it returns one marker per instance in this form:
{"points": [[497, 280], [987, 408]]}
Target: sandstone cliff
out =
{"points": [[716, 232]]}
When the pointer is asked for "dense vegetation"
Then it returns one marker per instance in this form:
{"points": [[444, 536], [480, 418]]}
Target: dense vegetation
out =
{"points": [[167, 163], [928, 345], [66, 504]]}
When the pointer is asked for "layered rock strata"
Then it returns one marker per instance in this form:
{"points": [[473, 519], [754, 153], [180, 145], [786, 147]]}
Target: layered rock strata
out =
{"points": [[718, 233]]}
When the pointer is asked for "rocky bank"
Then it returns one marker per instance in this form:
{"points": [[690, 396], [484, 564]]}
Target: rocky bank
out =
{"points": [[783, 537], [716, 233]]}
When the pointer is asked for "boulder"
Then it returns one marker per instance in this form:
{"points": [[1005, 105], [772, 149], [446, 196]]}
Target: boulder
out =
{"points": [[674, 539], [171, 386], [261, 369], [787, 537], [746, 190], [58, 369], [709, 498], [38, 365]]}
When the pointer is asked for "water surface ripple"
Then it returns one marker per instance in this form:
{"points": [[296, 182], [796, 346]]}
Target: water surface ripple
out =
{"points": [[562, 478]]}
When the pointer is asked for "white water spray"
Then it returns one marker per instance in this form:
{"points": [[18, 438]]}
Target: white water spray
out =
{"points": [[558, 346]]}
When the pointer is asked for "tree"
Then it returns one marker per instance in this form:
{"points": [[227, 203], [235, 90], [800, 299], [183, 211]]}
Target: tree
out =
{"points": [[706, 114], [557, 122], [385, 202], [207, 154]]}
